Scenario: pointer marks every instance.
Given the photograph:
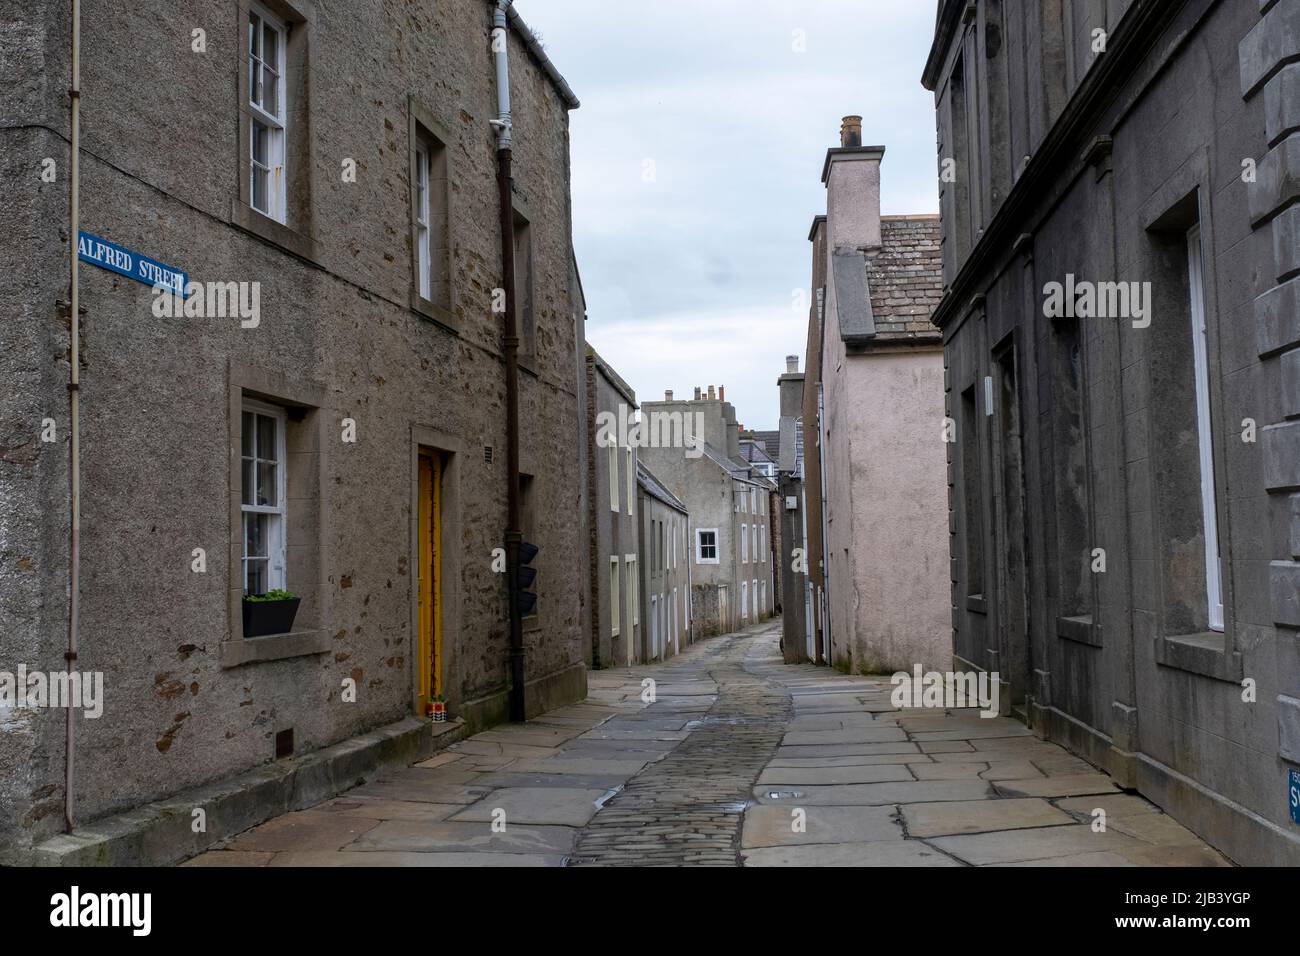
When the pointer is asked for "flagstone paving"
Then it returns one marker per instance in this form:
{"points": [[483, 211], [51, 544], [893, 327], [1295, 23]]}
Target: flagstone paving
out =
{"points": [[734, 759]]}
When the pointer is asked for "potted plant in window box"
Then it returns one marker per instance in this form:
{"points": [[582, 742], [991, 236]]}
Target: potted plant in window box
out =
{"points": [[437, 709], [269, 613]]}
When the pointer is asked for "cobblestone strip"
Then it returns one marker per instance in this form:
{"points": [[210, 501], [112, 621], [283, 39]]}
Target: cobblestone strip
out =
{"points": [[687, 808]]}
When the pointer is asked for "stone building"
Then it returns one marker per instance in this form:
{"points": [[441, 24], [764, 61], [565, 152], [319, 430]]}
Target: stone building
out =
{"points": [[874, 380], [790, 523], [1119, 185], [344, 440], [664, 532], [731, 572], [612, 525]]}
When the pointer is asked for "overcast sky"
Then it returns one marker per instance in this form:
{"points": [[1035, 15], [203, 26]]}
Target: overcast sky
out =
{"points": [[697, 157]]}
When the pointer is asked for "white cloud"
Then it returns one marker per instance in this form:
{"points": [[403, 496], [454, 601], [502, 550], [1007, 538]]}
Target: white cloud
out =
{"points": [[688, 278]]}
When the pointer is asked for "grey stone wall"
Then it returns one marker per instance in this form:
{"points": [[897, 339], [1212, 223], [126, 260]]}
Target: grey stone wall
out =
{"points": [[161, 175], [613, 533], [1090, 441]]}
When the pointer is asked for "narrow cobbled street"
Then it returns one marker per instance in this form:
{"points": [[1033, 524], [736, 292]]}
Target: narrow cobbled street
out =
{"points": [[725, 756]]}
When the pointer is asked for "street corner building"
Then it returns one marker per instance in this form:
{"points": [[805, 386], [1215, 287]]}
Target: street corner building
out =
{"points": [[1121, 328], [728, 499], [339, 430], [874, 503]]}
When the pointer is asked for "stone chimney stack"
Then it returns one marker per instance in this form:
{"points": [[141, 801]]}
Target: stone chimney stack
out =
{"points": [[697, 393], [851, 131], [790, 386], [712, 394], [668, 395], [852, 178]]}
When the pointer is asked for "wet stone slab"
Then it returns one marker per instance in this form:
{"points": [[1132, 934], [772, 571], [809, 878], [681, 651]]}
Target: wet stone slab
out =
{"points": [[404, 835], [980, 816], [539, 805], [900, 853], [770, 825]]}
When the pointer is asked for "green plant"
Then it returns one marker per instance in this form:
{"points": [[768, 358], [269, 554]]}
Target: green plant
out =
{"points": [[278, 594]]}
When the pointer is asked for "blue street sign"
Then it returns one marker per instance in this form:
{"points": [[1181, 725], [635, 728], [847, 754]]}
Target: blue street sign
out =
{"points": [[1293, 796], [123, 261]]}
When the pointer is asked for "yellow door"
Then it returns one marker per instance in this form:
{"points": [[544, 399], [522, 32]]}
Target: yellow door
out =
{"points": [[429, 649]]}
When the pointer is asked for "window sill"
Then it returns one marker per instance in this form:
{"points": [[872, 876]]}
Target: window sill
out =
{"points": [[528, 363], [434, 312], [1079, 629], [977, 603], [277, 233], [275, 647], [1204, 653], [531, 623]]}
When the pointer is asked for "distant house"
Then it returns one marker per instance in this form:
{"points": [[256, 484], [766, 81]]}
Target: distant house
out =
{"points": [[614, 583], [798, 595], [730, 509], [664, 530], [874, 385], [760, 449]]}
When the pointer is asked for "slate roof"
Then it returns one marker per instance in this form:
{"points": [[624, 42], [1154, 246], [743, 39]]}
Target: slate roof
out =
{"points": [[734, 469], [767, 444], [906, 278], [656, 489]]}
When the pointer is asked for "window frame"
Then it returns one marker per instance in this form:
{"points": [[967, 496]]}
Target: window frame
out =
{"points": [[277, 527], [615, 599], [633, 590], [744, 600], [276, 125], [699, 546], [1205, 430], [612, 455], [630, 466], [744, 544], [423, 222]]}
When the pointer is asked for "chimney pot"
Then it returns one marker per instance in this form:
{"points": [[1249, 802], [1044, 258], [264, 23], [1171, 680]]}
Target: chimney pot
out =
{"points": [[722, 393], [668, 395], [792, 363], [851, 131]]}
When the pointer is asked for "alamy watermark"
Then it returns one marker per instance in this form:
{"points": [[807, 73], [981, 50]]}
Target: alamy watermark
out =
{"points": [[1098, 300], [947, 690], [40, 689], [653, 429], [211, 300]]}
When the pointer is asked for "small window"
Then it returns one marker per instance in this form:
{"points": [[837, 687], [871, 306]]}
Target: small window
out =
{"points": [[633, 591], [744, 600], [1204, 432], [423, 252], [972, 494], [706, 546], [762, 540], [744, 543], [613, 476], [615, 610], [631, 483], [262, 497], [266, 93]]}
